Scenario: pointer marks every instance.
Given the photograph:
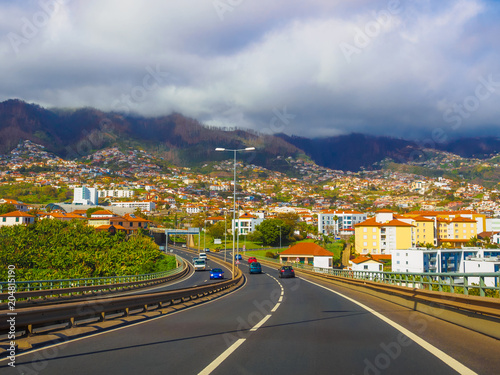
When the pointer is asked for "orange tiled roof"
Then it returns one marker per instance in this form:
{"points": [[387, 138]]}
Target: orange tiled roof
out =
{"points": [[103, 212], [16, 214], [306, 248], [246, 215], [362, 259], [371, 222]]}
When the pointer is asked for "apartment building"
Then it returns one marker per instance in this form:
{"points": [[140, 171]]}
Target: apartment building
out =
{"points": [[339, 222], [461, 260], [246, 223], [145, 206], [85, 196], [389, 231]]}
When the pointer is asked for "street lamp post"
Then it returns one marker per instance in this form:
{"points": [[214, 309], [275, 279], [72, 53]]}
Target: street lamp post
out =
{"points": [[234, 190], [225, 234], [204, 234], [280, 236]]}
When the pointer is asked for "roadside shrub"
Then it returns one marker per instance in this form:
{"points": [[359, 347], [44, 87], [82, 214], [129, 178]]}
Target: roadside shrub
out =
{"points": [[270, 255]]}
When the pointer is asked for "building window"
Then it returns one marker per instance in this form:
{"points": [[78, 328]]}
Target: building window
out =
{"points": [[365, 267], [374, 244], [374, 237], [364, 230], [365, 237], [17, 220], [374, 230], [365, 243]]}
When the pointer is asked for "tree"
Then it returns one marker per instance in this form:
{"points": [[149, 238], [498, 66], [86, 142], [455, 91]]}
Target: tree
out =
{"points": [[90, 211], [270, 230], [6, 208], [217, 230]]}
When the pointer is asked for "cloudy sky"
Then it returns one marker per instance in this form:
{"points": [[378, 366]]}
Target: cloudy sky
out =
{"points": [[426, 69]]}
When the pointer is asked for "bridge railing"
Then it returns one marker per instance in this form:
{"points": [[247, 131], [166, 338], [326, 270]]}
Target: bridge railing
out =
{"points": [[38, 285], [480, 284]]}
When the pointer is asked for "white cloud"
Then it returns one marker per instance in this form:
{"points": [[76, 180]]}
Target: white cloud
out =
{"points": [[261, 56]]}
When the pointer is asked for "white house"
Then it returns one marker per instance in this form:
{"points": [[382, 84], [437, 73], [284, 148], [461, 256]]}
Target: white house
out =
{"points": [[308, 253], [16, 218], [362, 263], [483, 265]]}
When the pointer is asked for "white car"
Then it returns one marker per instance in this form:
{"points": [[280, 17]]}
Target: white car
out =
{"points": [[200, 265], [202, 256]]}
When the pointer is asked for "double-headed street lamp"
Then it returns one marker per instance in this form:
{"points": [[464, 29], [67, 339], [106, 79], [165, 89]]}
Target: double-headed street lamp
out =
{"points": [[234, 192]]}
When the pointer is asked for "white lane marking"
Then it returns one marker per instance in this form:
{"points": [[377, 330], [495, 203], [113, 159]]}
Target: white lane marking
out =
{"points": [[452, 362], [211, 367], [264, 319]]}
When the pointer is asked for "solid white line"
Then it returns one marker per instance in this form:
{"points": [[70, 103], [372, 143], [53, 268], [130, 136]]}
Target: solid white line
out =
{"points": [[259, 324], [212, 366], [453, 363]]}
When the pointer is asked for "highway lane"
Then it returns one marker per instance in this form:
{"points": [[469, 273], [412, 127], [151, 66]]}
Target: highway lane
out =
{"points": [[195, 278], [312, 330]]}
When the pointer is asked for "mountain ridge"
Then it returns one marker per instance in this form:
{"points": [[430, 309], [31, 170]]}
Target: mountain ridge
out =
{"points": [[184, 141]]}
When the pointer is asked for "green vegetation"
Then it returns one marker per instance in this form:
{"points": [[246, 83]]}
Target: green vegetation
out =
{"points": [[51, 249], [29, 193]]}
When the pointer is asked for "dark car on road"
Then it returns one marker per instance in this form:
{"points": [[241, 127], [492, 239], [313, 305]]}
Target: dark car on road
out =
{"points": [[286, 271], [254, 267], [216, 273]]}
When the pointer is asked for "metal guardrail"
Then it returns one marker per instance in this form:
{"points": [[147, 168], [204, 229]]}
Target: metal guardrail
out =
{"points": [[458, 283], [44, 288], [29, 318]]}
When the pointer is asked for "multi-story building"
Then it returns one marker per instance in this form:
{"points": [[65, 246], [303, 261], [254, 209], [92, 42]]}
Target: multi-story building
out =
{"points": [[388, 231], [339, 222], [116, 193], [85, 196], [467, 259], [383, 233], [142, 205], [246, 223]]}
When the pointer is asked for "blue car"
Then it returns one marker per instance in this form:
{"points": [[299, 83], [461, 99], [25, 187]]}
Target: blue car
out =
{"points": [[254, 267], [238, 257], [216, 273]]}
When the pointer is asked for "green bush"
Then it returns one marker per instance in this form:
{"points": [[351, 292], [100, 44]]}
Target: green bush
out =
{"points": [[52, 249], [270, 255]]}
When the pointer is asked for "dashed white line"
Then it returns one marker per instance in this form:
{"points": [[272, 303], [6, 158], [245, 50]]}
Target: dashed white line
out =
{"points": [[259, 324], [211, 367]]}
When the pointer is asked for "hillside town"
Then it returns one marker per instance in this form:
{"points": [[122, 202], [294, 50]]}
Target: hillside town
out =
{"points": [[378, 211]]}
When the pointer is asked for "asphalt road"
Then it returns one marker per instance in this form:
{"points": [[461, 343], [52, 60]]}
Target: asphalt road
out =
{"points": [[280, 326]]}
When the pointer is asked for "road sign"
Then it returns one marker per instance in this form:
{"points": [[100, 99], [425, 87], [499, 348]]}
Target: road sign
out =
{"points": [[297, 260], [244, 249], [217, 241], [237, 262]]}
